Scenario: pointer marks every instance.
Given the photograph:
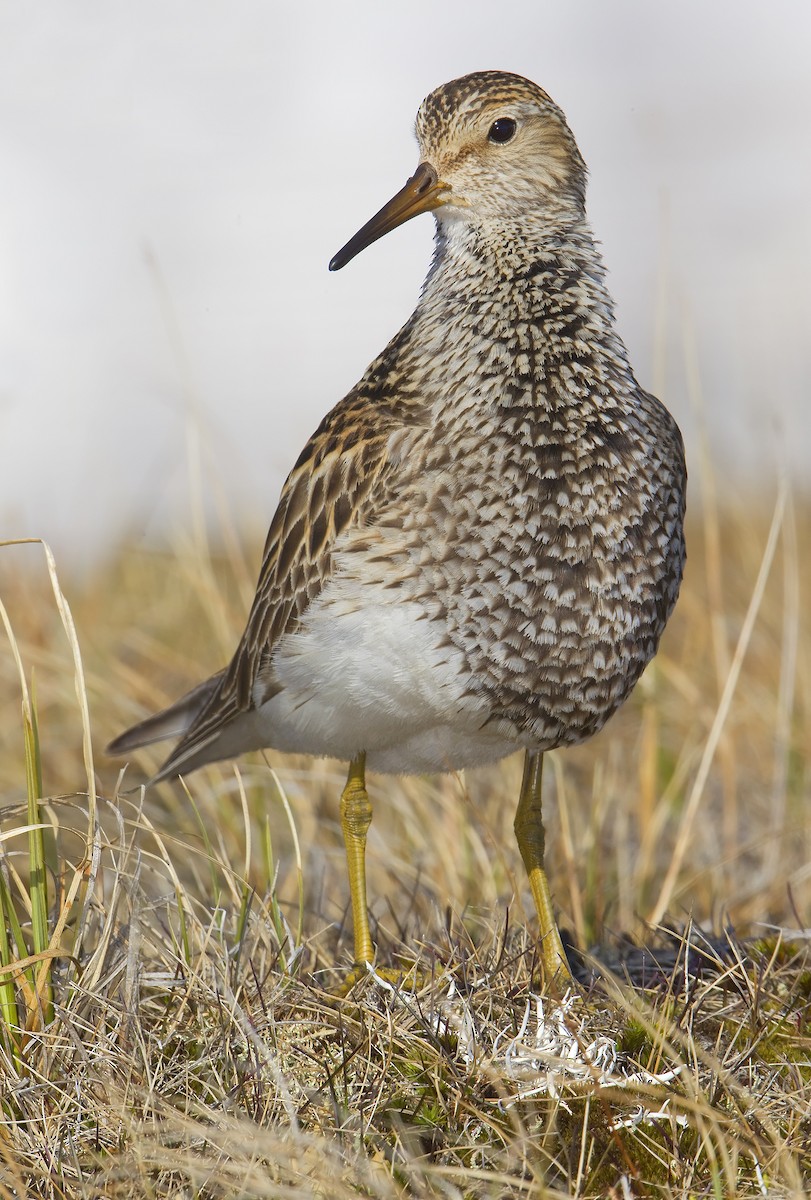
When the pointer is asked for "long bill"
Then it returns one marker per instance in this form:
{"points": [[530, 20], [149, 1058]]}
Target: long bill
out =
{"points": [[423, 193]]}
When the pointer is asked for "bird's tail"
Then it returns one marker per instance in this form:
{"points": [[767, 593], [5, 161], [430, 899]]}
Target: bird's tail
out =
{"points": [[172, 722]]}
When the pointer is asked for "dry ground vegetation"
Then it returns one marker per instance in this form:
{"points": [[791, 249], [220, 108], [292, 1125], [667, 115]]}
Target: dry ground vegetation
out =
{"points": [[169, 1018]]}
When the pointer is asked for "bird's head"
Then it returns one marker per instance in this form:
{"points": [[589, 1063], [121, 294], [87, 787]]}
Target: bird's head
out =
{"points": [[492, 146]]}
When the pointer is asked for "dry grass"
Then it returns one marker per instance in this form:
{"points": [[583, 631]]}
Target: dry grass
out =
{"points": [[196, 1049]]}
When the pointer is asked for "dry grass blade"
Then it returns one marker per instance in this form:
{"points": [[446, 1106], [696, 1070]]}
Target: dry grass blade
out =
{"points": [[721, 716], [35, 989]]}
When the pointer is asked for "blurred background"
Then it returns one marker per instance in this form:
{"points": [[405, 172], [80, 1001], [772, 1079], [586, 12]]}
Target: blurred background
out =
{"points": [[176, 175]]}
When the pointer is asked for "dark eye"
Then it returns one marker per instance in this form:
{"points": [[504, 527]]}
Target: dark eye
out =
{"points": [[502, 130]]}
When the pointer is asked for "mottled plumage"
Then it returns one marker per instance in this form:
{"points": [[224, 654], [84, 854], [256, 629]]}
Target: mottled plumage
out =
{"points": [[478, 549]]}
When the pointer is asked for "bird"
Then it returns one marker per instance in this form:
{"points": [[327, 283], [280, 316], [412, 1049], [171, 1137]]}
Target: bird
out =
{"points": [[478, 549]]}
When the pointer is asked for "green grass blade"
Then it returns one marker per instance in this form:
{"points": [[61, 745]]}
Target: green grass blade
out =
{"points": [[8, 999], [37, 897], [38, 881]]}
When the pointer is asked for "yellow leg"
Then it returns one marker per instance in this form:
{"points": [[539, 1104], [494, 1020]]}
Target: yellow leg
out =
{"points": [[356, 817], [529, 831]]}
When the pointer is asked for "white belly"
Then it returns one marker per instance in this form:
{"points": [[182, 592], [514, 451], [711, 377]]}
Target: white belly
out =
{"points": [[375, 678]]}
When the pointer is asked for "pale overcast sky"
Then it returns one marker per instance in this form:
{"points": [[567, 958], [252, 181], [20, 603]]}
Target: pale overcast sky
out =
{"points": [[175, 175]]}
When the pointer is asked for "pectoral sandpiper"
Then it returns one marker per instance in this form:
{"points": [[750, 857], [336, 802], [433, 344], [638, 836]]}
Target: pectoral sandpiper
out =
{"points": [[479, 547]]}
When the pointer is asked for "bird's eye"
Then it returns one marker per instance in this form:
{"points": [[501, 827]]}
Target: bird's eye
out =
{"points": [[502, 130]]}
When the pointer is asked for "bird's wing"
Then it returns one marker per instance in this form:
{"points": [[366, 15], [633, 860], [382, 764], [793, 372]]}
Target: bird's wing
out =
{"points": [[337, 483]]}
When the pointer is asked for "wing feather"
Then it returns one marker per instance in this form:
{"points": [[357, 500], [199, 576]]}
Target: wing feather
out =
{"points": [[337, 483]]}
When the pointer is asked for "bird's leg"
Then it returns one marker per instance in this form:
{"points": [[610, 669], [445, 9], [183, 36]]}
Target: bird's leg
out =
{"points": [[356, 817], [529, 831]]}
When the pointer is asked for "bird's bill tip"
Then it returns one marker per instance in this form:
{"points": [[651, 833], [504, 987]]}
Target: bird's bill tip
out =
{"points": [[423, 192]]}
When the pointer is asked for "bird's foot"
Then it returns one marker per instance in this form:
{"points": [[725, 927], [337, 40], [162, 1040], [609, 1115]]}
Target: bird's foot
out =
{"points": [[400, 979], [554, 971]]}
